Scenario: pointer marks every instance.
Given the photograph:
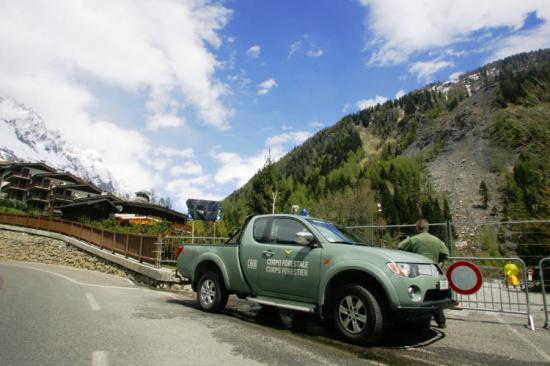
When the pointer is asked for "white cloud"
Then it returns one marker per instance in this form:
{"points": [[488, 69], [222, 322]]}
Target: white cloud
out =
{"points": [[158, 121], [160, 50], [316, 124], [307, 46], [265, 86], [170, 152], [286, 128], [454, 76], [294, 47], [294, 138], [400, 28], [161, 158], [237, 169], [527, 41], [399, 94], [200, 187], [254, 51], [425, 70], [367, 103], [187, 168], [315, 52]]}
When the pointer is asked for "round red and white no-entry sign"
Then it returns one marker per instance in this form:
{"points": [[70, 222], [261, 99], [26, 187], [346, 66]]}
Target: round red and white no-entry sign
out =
{"points": [[464, 277]]}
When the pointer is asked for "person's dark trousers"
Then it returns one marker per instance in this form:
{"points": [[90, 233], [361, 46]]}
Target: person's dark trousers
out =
{"points": [[440, 319]]}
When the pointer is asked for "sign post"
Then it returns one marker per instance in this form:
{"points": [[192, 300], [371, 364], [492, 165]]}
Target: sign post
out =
{"points": [[530, 272], [203, 210]]}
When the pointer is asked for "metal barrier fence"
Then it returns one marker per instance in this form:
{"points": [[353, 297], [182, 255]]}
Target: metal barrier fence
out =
{"points": [[528, 239], [543, 286], [378, 234], [144, 248], [170, 244], [496, 294]]}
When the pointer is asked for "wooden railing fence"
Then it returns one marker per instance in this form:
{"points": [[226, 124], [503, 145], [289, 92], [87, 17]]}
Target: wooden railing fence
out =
{"points": [[144, 248]]}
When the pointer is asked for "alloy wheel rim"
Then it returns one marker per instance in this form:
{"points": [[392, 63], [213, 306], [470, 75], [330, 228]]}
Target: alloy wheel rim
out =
{"points": [[352, 314], [208, 292]]}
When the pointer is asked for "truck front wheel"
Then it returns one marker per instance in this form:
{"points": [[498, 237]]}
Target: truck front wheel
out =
{"points": [[357, 314], [211, 295]]}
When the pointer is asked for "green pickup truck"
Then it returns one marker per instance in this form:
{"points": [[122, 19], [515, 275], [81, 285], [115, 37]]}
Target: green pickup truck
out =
{"points": [[311, 265]]}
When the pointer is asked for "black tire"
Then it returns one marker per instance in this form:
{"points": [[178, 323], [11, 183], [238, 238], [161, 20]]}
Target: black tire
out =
{"points": [[211, 293], [365, 324]]}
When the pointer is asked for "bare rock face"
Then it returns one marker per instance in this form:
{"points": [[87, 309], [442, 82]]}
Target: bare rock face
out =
{"points": [[466, 161]]}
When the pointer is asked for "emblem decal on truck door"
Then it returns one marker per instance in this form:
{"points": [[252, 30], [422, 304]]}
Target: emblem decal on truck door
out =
{"points": [[287, 267], [252, 264]]}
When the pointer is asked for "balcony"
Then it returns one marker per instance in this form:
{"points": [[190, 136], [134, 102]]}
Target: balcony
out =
{"points": [[40, 187], [18, 176], [63, 198], [15, 187], [38, 199]]}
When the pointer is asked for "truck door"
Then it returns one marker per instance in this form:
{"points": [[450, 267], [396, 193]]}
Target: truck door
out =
{"points": [[286, 268], [254, 241]]}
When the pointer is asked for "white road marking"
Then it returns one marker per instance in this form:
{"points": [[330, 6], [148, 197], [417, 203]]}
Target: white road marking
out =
{"points": [[93, 303], [86, 270], [73, 280], [99, 358], [150, 291], [541, 353]]}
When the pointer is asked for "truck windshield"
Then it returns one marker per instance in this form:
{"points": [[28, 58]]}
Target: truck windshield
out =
{"points": [[336, 234]]}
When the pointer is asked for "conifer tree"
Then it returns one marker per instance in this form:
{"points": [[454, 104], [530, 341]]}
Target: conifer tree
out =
{"points": [[484, 192]]}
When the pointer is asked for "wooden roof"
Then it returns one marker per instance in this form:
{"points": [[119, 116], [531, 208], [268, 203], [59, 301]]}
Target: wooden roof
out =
{"points": [[85, 187], [66, 176]]}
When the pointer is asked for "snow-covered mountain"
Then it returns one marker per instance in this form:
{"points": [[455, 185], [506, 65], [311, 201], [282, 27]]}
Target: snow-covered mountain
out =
{"points": [[25, 137]]}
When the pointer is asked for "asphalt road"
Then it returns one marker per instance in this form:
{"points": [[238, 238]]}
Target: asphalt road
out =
{"points": [[53, 315]]}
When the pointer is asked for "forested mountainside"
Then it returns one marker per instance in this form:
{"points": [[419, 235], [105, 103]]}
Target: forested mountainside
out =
{"points": [[475, 149]]}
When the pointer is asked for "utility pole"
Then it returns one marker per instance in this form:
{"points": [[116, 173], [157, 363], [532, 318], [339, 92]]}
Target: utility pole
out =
{"points": [[274, 196]]}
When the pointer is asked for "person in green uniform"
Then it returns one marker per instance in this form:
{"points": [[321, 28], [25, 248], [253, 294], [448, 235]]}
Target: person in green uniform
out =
{"points": [[429, 246]]}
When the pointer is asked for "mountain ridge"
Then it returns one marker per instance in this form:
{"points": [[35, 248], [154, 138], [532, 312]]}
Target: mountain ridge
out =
{"points": [[448, 137], [27, 138]]}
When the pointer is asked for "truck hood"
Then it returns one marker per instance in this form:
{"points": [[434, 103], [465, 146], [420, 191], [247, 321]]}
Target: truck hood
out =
{"points": [[390, 255]]}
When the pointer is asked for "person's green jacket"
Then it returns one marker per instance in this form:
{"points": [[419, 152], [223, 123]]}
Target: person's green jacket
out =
{"points": [[426, 244]]}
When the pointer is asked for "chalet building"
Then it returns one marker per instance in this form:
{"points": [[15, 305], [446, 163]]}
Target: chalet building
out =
{"points": [[67, 193], [42, 187], [125, 211], [15, 179], [50, 191]]}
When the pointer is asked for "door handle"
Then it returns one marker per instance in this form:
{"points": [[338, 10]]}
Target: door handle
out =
{"points": [[268, 253]]}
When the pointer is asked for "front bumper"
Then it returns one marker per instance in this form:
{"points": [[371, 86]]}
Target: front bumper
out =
{"points": [[423, 310]]}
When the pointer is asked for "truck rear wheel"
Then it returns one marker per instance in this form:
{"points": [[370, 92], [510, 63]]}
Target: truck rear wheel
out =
{"points": [[211, 295], [357, 314]]}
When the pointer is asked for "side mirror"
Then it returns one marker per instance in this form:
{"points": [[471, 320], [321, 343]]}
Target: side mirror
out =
{"points": [[303, 238]]}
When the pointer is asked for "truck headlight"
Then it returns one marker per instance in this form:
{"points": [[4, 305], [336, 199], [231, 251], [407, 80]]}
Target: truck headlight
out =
{"points": [[412, 270]]}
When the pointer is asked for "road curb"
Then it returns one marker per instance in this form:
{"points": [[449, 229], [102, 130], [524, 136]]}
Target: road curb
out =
{"points": [[157, 274]]}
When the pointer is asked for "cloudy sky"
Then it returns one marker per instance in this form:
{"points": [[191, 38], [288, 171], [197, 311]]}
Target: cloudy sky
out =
{"points": [[188, 96]]}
